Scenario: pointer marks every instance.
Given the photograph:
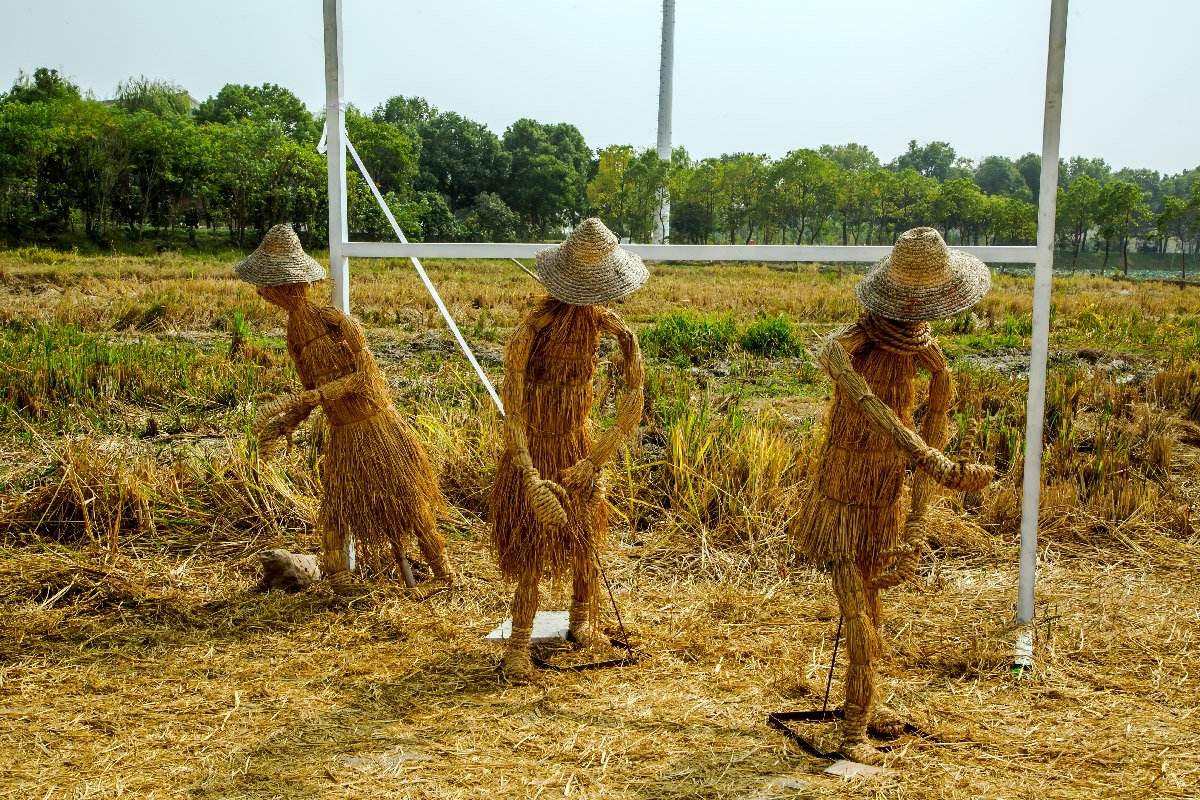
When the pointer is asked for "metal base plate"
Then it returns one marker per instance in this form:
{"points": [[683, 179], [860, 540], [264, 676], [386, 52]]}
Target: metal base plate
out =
{"points": [[549, 627]]}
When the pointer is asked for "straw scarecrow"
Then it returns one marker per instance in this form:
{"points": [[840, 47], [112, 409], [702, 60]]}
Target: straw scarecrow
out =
{"points": [[854, 519], [548, 509], [380, 491]]}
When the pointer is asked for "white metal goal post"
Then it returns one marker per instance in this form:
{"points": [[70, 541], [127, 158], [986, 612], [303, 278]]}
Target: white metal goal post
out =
{"points": [[341, 249]]}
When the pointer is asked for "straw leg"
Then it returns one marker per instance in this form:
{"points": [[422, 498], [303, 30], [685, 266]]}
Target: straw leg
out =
{"points": [[517, 665], [883, 721], [434, 551], [406, 572], [334, 560], [582, 618], [862, 647]]}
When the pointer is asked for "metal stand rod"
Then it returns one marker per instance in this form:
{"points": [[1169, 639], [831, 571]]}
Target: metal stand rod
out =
{"points": [[837, 640]]}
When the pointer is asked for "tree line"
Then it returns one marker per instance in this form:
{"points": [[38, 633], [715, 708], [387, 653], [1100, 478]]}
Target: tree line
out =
{"points": [[153, 163]]}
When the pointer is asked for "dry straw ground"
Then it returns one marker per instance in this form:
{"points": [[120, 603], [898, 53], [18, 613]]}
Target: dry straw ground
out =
{"points": [[136, 660]]}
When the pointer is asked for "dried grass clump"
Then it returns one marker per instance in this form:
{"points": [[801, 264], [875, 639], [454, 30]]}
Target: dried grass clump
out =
{"points": [[123, 501], [90, 495]]}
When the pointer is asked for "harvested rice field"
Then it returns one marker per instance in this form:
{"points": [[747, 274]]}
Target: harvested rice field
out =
{"points": [[138, 660]]}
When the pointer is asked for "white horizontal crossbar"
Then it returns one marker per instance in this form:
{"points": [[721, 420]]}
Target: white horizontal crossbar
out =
{"points": [[672, 252]]}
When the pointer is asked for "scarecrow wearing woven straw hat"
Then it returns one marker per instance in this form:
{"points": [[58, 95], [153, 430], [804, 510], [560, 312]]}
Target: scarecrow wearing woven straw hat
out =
{"points": [[548, 508], [853, 520], [380, 490]]}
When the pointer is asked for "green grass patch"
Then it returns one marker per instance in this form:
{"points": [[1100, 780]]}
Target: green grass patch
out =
{"points": [[771, 337], [686, 337]]}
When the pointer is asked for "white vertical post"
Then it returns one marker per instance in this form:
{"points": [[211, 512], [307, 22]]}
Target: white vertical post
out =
{"points": [[1035, 409], [666, 72], [339, 265]]}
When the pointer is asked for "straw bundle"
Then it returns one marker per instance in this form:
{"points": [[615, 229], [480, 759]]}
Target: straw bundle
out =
{"points": [[548, 509], [379, 484]]}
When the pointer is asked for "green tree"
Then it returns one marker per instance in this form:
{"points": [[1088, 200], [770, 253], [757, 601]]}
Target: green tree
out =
{"points": [[693, 200], [1000, 175], [1122, 209], [32, 197], [261, 176], [959, 204], [909, 203], [460, 158], [390, 153], [160, 98], [852, 157], [608, 193], [932, 160], [93, 160], [547, 182], [804, 189], [1078, 210], [1095, 168], [489, 219], [44, 86], [853, 203], [410, 112], [1180, 219], [1009, 220], [740, 182], [266, 103]]}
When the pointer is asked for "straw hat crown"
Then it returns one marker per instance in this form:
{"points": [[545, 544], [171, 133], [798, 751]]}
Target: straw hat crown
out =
{"points": [[278, 260], [590, 267], [923, 279]]}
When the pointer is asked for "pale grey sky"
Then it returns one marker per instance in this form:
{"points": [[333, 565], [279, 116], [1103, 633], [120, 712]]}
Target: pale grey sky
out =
{"points": [[758, 75]]}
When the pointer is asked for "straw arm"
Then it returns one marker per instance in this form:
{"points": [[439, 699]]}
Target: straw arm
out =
{"points": [[580, 478], [935, 428], [962, 476], [280, 418], [340, 387]]}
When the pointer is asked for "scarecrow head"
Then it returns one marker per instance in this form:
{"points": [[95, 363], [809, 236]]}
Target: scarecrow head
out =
{"points": [[923, 279]]}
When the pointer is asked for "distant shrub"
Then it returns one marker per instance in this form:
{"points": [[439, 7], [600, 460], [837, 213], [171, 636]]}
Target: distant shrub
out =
{"points": [[43, 255], [771, 337], [686, 336]]}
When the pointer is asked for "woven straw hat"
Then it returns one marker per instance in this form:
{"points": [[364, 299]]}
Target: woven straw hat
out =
{"points": [[923, 279], [590, 267], [278, 260]]}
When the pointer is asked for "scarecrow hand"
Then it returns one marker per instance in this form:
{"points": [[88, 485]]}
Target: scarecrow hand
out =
{"points": [[280, 419], [901, 562], [962, 476], [549, 500], [970, 477], [580, 478]]}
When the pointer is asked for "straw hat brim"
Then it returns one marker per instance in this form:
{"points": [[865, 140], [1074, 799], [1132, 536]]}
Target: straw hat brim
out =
{"points": [[967, 282], [263, 269], [618, 274]]}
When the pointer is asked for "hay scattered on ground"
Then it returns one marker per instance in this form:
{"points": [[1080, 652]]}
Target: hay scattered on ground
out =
{"points": [[143, 663]]}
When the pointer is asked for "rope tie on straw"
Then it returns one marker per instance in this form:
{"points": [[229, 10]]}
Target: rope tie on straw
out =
{"points": [[903, 338]]}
